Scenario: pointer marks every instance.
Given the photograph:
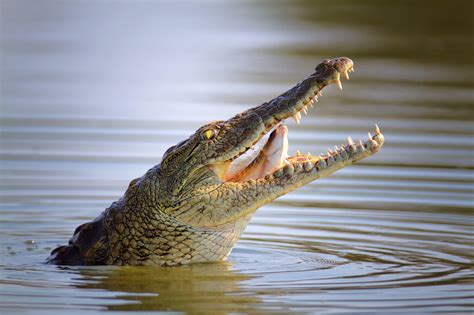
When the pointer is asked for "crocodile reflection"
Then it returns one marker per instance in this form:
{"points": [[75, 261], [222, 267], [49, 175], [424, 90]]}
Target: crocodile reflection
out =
{"points": [[195, 289]]}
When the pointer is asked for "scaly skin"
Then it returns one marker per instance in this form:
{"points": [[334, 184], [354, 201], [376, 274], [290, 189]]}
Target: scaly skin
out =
{"points": [[189, 209]]}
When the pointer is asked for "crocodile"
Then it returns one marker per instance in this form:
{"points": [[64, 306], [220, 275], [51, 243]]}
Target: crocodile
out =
{"points": [[195, 204]]}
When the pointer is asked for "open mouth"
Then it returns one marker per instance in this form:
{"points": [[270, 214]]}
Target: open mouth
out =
{"points": [[272, 158]]}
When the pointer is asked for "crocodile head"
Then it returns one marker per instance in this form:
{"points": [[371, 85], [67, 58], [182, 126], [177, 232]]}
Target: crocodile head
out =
{"points": [[217, 176], [196, 203]]}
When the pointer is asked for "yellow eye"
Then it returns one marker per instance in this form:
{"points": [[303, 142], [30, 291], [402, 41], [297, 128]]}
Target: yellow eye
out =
{"points": [[209, 134]]}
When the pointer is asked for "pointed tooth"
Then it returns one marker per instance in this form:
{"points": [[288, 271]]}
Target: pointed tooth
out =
{"points": [[308, 154], [360, 143], [339, 84], [350, 141], [370, 136], [346, 74], [330, 151], [319, 93], [298, 153], [297, 118], [377, 130], [298, 114], [311, 104], [305, 111]]}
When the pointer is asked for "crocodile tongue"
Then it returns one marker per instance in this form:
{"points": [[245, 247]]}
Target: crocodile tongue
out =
{"points": [[272, 156]]}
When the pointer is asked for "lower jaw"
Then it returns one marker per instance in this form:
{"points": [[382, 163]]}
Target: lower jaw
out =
{"points": [[279, 160]]}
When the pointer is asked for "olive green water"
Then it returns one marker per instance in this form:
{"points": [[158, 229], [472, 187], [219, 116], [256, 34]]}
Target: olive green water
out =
{"points": [[92, 93]]}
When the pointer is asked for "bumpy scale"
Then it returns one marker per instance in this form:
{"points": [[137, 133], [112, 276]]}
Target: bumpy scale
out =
{"points": [[195, 204]]}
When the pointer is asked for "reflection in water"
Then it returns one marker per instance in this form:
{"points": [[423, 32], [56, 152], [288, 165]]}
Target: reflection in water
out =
{"points": [[93, 94], [192, 289]]}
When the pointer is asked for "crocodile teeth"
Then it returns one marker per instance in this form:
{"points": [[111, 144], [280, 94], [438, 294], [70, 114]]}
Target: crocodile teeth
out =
{"points": [[350, 141], [346, 74], [377, 130], [298, 115], [319, 94], [305, 111], [297, 118], [339, 84], [370, 136]]}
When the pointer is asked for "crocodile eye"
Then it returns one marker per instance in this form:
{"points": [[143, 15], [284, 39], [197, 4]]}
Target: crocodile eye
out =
{"points": [[209, 134]]}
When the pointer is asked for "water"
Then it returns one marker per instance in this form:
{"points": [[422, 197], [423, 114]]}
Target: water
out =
{"points": [[92, 93]]}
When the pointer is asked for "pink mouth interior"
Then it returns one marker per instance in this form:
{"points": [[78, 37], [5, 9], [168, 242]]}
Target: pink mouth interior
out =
{"points": [[256, 164]]}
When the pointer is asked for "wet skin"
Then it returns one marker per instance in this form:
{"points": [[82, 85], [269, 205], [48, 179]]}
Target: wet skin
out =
{"points": [[196, 203]]}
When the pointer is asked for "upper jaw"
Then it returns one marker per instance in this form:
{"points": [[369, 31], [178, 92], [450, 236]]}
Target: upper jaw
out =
{"points": [[304, 94], [254, 123]]}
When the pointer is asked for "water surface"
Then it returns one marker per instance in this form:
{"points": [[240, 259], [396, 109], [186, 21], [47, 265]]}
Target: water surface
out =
{"points": [[92, 93]]}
